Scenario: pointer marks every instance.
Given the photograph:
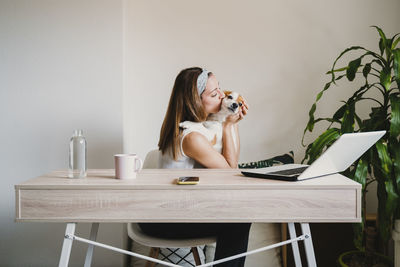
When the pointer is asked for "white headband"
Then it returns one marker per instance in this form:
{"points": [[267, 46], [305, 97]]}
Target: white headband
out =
{"points": [[202, 81]]}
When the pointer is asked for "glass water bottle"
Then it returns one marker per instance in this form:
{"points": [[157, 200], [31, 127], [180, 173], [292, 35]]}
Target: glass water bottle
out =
{"points": [[77, 155]]}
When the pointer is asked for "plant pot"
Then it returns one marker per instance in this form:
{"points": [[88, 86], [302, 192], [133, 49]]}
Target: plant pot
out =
{"points": [[396, 238], [359, 257]]}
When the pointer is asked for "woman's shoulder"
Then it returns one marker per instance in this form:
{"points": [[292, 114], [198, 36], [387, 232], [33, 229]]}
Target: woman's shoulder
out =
{"points": [[196, 143], [194, 138]]}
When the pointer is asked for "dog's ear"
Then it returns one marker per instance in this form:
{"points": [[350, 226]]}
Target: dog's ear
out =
{"points": [[227, 93]]}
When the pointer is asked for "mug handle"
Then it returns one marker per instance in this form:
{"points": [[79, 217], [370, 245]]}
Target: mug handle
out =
{"points": [[140, 164]]}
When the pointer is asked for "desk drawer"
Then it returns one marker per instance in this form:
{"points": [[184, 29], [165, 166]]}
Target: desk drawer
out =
{"points": [[264, 205]]}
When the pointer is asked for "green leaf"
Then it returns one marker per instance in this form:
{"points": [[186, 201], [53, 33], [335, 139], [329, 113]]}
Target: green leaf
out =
{"points": [[310, 125], [385, 79], [383, 218], [306, 156], [348, 118], [326, 119], [384, 39], [395, 42], [340, 77], [389, 44], [396, 63], [337, 70], [312, 122], [319, 95], [360, 92], [366, 69], [340, 112], [327, 85], [312, 110], [392, 198], [384, 157], [327, 138], [359, 121], [395, 116], [395, 152], [387, 197], [360, 175], [378, 61], [352, 69], [381, 46]]}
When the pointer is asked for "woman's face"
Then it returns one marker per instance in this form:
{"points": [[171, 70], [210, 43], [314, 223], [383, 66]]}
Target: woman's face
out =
{"points": [[212, 96]]}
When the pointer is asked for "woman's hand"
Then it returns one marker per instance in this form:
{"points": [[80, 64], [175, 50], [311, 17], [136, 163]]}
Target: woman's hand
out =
{"points": [[235, 118]]}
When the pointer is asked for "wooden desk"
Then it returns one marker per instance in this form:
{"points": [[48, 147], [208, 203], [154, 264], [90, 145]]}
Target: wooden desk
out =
{"points": [[154, 196]]}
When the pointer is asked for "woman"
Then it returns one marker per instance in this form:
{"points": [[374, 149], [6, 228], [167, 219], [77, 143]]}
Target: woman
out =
{"points": [[195, 95]]}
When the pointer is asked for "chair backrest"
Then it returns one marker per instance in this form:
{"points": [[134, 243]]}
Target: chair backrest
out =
{"points": [[151, 160]]}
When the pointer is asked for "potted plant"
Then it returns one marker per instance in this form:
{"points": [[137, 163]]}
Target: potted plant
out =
{"points": [[379, 72]]}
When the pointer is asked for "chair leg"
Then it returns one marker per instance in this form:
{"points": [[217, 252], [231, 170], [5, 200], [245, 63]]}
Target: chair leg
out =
{"points": [[157, 251], [196, 256], [148, 263], [153, 254]]}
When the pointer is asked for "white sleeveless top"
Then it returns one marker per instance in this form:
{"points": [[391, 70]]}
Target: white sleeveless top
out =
{"points": [[166, 160]]}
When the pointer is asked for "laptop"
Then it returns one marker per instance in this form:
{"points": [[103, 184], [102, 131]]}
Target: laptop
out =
{"points": [[337, 158]]}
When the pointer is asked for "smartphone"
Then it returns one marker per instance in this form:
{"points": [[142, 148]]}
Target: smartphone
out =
{"points": [[188, 180]]}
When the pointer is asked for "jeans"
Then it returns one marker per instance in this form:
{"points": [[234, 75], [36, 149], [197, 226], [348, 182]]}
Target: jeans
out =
{"points": [[232, 238]]}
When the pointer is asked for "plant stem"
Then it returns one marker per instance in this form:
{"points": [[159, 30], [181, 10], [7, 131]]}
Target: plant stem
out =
{"points": [[368, 98]]}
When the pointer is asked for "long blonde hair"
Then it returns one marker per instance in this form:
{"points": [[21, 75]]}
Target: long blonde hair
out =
{"points": [[184, 105]]}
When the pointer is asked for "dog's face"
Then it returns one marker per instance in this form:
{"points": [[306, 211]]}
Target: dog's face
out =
{"points": [[232, 102]]}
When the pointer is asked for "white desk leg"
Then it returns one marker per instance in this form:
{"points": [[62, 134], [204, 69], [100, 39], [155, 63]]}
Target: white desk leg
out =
{"points": [[67, 245], [93, 236], [295, 245], [308, 245]]}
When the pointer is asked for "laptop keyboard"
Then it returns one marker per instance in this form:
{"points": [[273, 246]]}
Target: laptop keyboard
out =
{"points": [[290, 171]]}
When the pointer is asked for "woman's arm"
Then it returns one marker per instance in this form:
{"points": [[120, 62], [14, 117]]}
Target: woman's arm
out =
{"points": [[230, 143], [236, 131]]}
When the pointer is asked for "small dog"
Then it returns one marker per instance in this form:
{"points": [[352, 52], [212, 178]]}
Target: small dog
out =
{"points": [[212, 127]]}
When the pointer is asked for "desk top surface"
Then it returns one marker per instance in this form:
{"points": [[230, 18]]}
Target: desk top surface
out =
{"points": [[221, 196], [166, 179]]}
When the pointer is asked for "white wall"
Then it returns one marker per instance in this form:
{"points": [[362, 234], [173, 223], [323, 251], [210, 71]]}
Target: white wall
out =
{"points": [[60, 69], [275, 53]]}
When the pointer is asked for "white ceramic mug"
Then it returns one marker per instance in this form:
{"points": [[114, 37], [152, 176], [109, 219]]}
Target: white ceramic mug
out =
{"points": [[127, 166]]}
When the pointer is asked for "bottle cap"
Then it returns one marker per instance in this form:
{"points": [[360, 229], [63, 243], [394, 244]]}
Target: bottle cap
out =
{"points": [[78, 132]]}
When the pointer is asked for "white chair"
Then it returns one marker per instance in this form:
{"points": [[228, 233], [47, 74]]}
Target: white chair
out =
{"points": [[155, 243]]}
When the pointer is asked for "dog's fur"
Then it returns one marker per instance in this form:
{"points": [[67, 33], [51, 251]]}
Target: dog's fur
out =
{"points": [[212, 127]]}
